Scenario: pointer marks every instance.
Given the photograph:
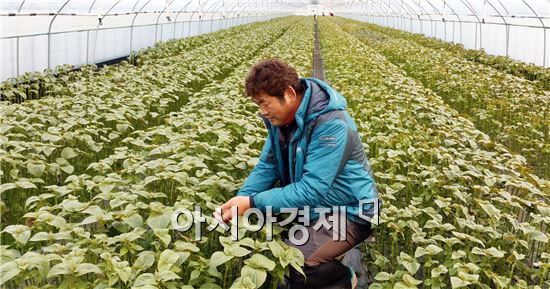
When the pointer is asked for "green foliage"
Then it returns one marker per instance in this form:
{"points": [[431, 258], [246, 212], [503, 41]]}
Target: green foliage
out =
{"points": [[510, 109], [98, 174], [458, 209]]}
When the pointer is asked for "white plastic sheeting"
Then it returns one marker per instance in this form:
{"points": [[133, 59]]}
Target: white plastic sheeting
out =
{"points": [[515, 28], [41, 34]]}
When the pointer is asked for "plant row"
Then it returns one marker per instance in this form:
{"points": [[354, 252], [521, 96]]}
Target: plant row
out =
{"points": [[111, 226], [537, 75], [458, 209], [511, 110], [65, 80], [47, 140]]}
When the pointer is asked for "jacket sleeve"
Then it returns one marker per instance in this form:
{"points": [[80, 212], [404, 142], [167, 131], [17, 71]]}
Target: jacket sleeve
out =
{"points": [[264, 174], [325, 155]]}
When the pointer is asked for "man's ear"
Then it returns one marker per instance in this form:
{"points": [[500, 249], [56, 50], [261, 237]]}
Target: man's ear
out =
{"points": [[290, 94]]}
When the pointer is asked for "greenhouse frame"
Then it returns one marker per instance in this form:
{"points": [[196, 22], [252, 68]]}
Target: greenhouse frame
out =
{"points": [[277, 144], [80, 32]]}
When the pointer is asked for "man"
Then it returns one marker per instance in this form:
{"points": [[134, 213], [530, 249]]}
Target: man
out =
{"points": [[314, 152]]}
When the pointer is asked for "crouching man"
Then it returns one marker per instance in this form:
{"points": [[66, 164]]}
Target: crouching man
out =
{"points": [[315, 155]]}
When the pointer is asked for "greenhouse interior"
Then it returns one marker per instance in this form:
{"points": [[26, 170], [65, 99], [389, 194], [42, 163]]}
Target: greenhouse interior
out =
{"points": [[277, 144]]}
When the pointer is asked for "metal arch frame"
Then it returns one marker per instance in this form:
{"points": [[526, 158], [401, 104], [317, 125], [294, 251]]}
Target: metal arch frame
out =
{"points": [[97, 27], [168, 3], [401, 14], [507, 40], [380, 8], [467, 5], [232, 11], [222, 2], [133, 20], [229, 12], [390, 7], [457, 16], [192, 14], [254, 11], [244, 9], [50, 32], [410, 11], [17, 43], [176, 19], [543, 31], [135, 5], [442, 13], [431, 21], [205, 11], [422, 12], [506, 9]]}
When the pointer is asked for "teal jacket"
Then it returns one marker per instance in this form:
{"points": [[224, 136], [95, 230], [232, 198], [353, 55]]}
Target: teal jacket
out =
{"points": [[327, 161]]}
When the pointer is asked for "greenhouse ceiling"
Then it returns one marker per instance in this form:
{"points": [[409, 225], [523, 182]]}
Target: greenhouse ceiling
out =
{"points": [[40, 34], [504, 8]]}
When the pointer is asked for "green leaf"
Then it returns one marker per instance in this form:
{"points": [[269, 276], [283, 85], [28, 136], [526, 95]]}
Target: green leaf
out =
{"points": [[166, 276], [20, 233], [134, 221], [122, 127], [433, 249], [69, 169], [249, 139], [257, 275], [25, 184], [7, 186], [236, 251], [218, 258], [383, 276], [145, 279], [59, 269], [167, 259], [194, 274], [494, 252], [159, 221], [458, 283], [41, 236], [518, 256], [259, 261], [491, 210], [8, 271], [408, 262], [86, 268], [36, 168], [106, 188], [458, 254], [420, 252], [277, 250], [410, 281], [68, 153], [500, 281], [144, 261], [164, 236], [538, 236], [438, 271]]}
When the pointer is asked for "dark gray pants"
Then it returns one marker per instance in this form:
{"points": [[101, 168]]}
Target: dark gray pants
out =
{"points": [[322, 255]]}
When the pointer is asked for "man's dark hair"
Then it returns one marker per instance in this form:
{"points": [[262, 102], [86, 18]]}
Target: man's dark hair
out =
{"points": [[272, 76]]}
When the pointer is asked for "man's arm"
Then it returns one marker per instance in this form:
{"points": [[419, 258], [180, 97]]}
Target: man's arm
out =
{"points": [[324, 158], [264, 174]]}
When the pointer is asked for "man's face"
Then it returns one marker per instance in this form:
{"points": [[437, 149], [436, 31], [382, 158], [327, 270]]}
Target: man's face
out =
{"points": [[275, 110]]}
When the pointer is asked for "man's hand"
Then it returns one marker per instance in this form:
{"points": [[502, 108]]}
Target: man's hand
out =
{"points": [[242, 203]]}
